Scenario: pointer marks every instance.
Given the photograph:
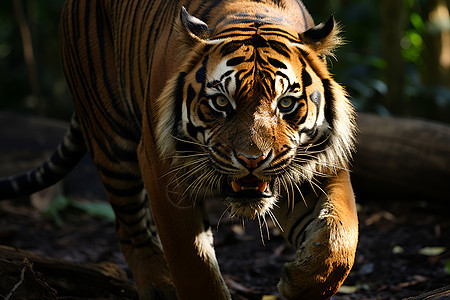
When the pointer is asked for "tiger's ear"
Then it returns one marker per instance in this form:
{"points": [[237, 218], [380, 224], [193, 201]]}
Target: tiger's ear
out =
{"points": [[322, 38], [194, 28]]}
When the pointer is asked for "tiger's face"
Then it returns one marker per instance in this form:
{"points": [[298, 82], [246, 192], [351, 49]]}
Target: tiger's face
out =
{"points": [[252, 118]]}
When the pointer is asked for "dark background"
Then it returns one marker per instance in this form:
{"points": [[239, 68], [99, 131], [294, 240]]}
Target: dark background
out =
{"points": [[396, 62]]}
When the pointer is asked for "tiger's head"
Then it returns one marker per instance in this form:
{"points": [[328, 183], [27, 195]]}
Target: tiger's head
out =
{"points": [[254, 111]]}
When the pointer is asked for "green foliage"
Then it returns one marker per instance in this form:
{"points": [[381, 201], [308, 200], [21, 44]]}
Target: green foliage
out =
{"points": [[57, 206], [412, 42], [62, 205], [101, 210], [361, 66], [447, 267]]}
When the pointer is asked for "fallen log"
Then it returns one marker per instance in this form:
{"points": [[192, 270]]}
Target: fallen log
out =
{"points": [[401, 159], [438, 294], [25, 275]]}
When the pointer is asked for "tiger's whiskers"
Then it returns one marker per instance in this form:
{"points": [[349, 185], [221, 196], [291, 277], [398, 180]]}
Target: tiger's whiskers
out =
{"points": [[188, 141], [221, 216]]}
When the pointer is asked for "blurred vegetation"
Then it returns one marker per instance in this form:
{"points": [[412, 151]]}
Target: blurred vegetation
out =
{"points": [[369, 66], [396, 60], [35, 84]]}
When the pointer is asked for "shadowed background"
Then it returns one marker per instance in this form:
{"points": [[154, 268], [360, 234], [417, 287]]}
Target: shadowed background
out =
{"points": [[395, 64]]}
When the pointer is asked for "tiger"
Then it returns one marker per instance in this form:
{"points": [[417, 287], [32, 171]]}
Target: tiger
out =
{"points": [[181, 101]]}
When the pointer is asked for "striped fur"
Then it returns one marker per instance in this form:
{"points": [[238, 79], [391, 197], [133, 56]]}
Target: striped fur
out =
{"points": [[182, 100]]}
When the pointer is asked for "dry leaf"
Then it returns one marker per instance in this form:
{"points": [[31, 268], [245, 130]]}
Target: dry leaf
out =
{"points": [[347, 289], [432, 251], [269, 297], [398, 250]]}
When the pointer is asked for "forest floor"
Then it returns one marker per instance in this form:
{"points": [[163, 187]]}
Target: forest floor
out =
{"points": [[403, 251]]}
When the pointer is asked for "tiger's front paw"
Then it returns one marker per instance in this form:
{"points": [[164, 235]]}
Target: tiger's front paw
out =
{"points": [[287, 286], [301, 282], [318, 270]]}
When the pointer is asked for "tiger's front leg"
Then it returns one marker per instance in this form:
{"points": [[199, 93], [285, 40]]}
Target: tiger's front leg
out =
{"points": [[325, 235], [185, 235]]}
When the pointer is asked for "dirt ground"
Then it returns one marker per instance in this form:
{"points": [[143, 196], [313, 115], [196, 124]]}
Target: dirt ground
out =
{"points": [[404, 246]]}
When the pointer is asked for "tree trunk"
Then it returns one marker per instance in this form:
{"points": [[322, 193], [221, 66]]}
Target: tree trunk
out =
{"points": [[392, 31]]}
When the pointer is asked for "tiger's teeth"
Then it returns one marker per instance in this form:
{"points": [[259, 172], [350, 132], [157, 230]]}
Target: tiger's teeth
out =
{"points": [[245, 188], [262, 186], [236, 186]]}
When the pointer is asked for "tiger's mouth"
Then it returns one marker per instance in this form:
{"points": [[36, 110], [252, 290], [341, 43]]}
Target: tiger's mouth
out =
{"points": [[250, 187], [250, 197]]}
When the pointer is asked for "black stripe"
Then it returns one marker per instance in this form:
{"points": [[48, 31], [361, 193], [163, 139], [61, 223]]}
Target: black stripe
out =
{"points": [[118, 175], [132, 222], [276, 63], [270, 31], [227, 73], [280, 156], [235, 30], [306, 78], [130, 208], [178, 100], [280, 48], [279, 73], [101, 31], [83, 80], [200, 75], [143, 231], [123, 192], [329, 103], [231, 47], [235, 61], [301, 232]]}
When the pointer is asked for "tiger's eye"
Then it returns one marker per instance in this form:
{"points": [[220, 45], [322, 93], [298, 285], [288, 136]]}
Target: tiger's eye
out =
{"points": [[221, 101], [286, 103]]}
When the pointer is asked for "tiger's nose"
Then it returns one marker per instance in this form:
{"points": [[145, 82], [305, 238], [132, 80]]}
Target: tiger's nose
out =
{"points": [[251, 162]]}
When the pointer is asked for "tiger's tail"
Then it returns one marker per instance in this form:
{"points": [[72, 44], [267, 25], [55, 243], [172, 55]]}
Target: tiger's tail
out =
{"points": [[69, 152]]}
